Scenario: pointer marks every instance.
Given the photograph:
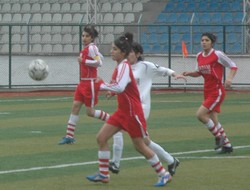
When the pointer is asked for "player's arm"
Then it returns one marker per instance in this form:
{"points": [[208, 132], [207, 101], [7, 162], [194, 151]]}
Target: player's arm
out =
{"points": [[191, 74], [120, 82], [96, 55], [227, 62]]}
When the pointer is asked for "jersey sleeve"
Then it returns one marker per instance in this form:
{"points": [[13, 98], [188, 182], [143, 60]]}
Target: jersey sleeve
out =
{"points": [[157, 70], [95, 55], [225, 61], [121, 81]]}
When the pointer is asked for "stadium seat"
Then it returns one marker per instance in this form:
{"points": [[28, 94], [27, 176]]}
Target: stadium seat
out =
{"points": [[84, 7], [228, 18], [180, 7], [146, 48], [153, 38], [57, 18], [108, 39], [37, 17], [138, 7], [65, 8], [117, 7], [75, 39], [55, 8], [16, 8], [36, 38], [127, 7], [46, 38], [67, 18], [75, 8], [35, 8], [36, 48], [45, 8], [68, 48], [108, 18], [119, 29], [16, 48], [17, 18], [25, 8], [108, 29], [77, 18], [47, 48], [57, 48], [67, 39], [163, 38], [170, 7], [16, 38], [56, 38], [47, 17], [161, 18], [26, 17], [106, 7], [7, 17], [129, 18], [119, 18], [6, 8], [156, 49]]}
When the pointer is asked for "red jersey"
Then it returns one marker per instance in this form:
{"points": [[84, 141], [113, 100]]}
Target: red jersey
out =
{"points": [[211, 67], [88, 53]]}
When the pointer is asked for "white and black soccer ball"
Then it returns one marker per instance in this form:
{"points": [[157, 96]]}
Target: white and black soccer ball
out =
{"points": [[38, 70]]}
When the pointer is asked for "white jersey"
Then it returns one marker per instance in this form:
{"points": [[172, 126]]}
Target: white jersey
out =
{"points": [[144, 72]]}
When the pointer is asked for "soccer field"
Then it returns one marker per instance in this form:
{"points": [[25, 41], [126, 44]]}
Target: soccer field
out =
{"points": [[31, 159]]}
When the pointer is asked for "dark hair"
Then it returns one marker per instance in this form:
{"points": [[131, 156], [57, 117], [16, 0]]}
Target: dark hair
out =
{"points": [[124, 42], [137, 48], [211, 36], [91, 31]]}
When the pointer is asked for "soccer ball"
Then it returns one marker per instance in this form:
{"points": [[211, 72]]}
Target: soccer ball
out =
{"points": [[38, 70]]}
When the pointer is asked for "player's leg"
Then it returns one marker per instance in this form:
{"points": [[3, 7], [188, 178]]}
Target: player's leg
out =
{"points": [[203, 114], [114, 165], [105, 133], [99, 114], [227, 146], [153, 160], [71, 126], [163, 155]]}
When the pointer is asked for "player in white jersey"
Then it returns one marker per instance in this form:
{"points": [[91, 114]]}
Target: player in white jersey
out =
{"points": [[144, 72]]}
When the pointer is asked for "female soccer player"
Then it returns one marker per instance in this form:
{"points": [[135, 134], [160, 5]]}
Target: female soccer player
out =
{"points": [[144, 72], [128, 116], [86, 92], [210, 66]]}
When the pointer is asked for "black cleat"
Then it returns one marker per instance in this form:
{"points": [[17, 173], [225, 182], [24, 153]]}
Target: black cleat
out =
{"points": [[225, 150], [113, 168], [219, 141], [172, 167]]}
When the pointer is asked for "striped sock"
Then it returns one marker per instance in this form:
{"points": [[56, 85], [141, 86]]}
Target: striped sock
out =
{"points": [[226, 140], [103, 157], [70, 132], [157, 165], [99, 114], [212, 128]]}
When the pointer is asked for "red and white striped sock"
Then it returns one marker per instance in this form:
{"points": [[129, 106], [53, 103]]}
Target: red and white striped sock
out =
{"points": [[157, 165], [104, 157], [212, 128], [99, 114], [71, 126], [226, 140]]}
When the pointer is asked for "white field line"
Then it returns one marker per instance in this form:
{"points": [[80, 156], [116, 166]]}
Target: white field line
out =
{"points": [[134, 158], [36, 99]]}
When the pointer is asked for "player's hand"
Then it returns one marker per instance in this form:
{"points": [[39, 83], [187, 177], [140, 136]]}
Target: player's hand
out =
{"points": [[109, 94], [228, 83], [179, 76], [79, 59]]}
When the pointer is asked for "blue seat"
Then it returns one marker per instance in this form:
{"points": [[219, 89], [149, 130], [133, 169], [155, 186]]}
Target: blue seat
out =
{"points": [[228, 17], [153, 38], [163, 38], [156, 48], [236, 6], [180, 7], [190, 7], [225, 6], [175, 38], [170, 7], [184, 18], [216, 18], [232, 38], [162, 18], [144, 38], [146, 48], [237, 17], [163, 29], [172, 18]]}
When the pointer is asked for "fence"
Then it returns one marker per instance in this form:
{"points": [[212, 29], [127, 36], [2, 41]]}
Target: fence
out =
{"points": [[59, 46]]}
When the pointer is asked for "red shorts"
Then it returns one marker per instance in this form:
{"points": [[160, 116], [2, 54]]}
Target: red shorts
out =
{"points": [[214, 100], [87, 93], [134, 125]]}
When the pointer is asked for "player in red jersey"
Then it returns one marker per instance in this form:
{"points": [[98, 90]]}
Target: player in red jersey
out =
{"points": [[211, 64], [129, 115], [87, 90]]}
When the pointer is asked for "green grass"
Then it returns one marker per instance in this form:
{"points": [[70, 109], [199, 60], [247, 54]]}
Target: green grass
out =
{"points": [[31, 127]]}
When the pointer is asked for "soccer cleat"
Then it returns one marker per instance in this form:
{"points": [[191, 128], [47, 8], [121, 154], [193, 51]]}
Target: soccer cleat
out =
{"points": [[114, 168], [67, 140], [162, 181], [98, 178], [225, 149], [219, 141], [172, 167]]}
